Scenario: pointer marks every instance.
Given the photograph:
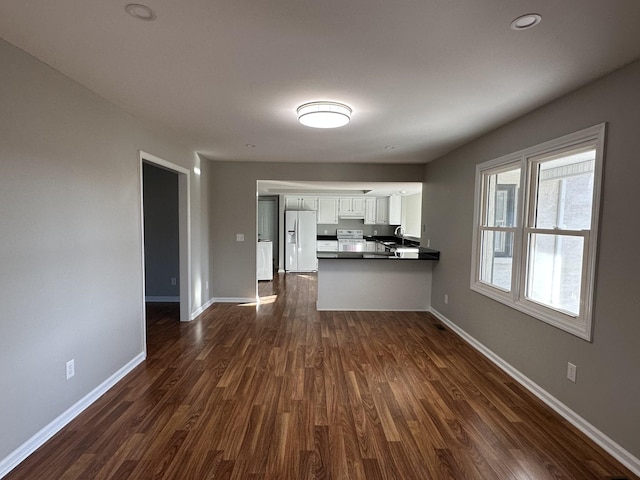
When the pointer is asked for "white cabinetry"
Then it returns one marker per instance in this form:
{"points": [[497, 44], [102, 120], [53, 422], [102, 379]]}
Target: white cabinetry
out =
{"points": [[351, 207], [389, 210], [370, 211], [373, 210], [327, 210], [327, 245], [300, 203], [395, 210], [382, 210]]}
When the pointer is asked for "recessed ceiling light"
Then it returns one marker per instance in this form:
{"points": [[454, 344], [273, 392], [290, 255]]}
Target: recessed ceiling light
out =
{"points": [[249, 145], [141, 12], [389, 147], [324, 114], [525, 22]]}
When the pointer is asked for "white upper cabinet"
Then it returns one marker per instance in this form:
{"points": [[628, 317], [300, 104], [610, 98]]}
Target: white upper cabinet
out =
{"points": [[373, 210], [370, 211], [357, 206], [382, 211], [389, 210], [351, 207], [300, 203], [327, 210], [395, 210]]}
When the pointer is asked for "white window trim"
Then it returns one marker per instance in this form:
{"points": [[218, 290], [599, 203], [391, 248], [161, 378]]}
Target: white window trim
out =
{"points": [[582, 325]]}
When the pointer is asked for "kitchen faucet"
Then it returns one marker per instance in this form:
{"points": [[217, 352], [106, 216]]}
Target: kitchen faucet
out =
{"points": [[400, 229]]}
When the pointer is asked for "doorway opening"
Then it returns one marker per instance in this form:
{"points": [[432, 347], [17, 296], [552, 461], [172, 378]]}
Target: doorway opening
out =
{"points": [[268, 226], [169, 278]]}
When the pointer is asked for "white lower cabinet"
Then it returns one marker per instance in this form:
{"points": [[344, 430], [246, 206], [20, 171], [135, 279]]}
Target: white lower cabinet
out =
{"points": [[327, 245]]}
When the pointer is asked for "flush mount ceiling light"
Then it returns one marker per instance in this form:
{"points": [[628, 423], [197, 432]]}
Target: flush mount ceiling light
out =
{"points": [[141, 12], [525, 22], [324, 114]]}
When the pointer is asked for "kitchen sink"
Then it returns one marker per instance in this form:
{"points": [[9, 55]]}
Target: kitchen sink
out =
{"points": [[395, 247]]}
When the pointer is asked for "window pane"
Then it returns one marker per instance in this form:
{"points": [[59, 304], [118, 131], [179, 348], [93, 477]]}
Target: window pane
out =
{"points": [[555, 271], [565, 191], [495, 259], [501, 195]]}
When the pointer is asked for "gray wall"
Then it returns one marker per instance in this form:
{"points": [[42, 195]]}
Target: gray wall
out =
{"points": [[70, 241], [161, 242], [607, 393], [232, 208]]}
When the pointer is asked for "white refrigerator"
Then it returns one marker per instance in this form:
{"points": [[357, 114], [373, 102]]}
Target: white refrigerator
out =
{"points": [[300, 241]]}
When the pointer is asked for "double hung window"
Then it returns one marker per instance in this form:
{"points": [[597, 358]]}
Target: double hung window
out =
{"points": [[535, 229]]}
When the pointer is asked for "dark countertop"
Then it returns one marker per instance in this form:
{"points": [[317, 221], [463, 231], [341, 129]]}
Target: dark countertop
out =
{"points": [[380, 238], [423, 254]]}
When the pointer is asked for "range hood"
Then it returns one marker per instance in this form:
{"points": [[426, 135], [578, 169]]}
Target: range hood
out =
{"points": [[351, 216]]}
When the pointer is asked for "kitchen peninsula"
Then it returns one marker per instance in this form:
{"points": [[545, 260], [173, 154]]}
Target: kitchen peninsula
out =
{"points": [[375, 280]]}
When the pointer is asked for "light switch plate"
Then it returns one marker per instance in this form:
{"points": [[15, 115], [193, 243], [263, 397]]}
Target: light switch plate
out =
{"points": [[239, 237]]}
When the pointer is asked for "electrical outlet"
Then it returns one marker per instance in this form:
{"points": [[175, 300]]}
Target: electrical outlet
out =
{"points": [[71, 368], [206, 284], [446, 299], [572, 371], [173, 281], [428, 242]]}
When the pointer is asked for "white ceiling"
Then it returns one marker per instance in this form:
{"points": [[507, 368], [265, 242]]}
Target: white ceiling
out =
{"points": [[423, 76]]}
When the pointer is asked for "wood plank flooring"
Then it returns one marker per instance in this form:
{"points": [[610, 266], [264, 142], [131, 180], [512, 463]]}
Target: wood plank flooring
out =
{"points": [[281, 391]]}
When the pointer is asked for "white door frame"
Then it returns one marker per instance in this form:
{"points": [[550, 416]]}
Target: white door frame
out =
{"points": [[184, 229]]}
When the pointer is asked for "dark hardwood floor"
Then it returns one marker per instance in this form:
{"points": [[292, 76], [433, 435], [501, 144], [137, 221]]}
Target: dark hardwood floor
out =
{"points": [[281, 391]]}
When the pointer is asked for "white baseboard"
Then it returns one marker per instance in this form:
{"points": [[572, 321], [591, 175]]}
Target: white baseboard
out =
{"points": [[23, 451], [617, 451], [234, 300], [202, 308], [363, 309], [161, 299]]}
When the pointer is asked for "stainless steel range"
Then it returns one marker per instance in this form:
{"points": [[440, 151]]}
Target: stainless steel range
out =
{"points": [[351, 241]]}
